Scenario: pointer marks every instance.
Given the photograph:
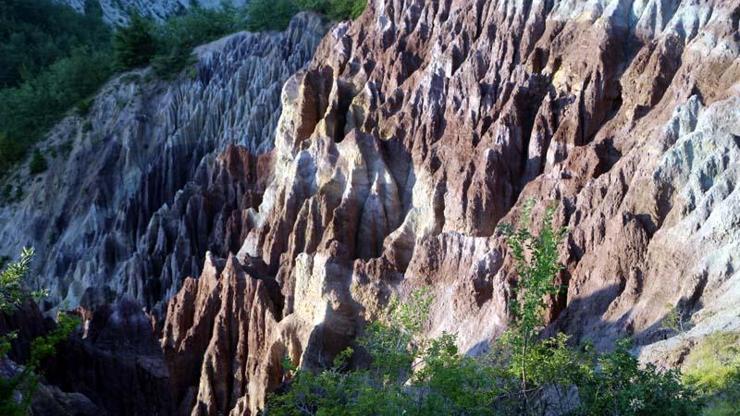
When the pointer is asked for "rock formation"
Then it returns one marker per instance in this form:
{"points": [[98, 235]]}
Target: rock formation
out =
{"points": [[137, 193], [412, 134], [419, 128]]}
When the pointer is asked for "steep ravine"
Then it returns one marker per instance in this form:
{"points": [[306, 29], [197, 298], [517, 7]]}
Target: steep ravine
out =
{"points": [[411, 134]]}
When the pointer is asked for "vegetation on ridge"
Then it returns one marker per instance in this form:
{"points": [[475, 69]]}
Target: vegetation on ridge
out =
{"points": [[52, 58]]}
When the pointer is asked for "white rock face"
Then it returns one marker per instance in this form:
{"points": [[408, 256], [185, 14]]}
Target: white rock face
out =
{"points": [[117, 12]]}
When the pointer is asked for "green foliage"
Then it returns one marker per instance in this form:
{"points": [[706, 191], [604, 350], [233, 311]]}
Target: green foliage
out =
{"points": [[134, 45], [36, 33], [12, 294], [28, 111], [341, 9], [619, 386], [270, 14], [84, 106], [276, 14], [713, 367], [177, 37], [56, 59], [26, 381], [199, 26], [536, 259], [38, 163], [53, 57], [674, 320]]}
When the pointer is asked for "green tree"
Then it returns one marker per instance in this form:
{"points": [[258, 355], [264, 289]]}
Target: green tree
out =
{"points": [[53, 57], [177, 37], [537, 266], [270, 14], [38, 163], [36, 33], [134, 45]]}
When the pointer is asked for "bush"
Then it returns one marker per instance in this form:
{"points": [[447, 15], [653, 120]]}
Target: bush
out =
{"points": [[713, 367], [177, 37], [38, 163], [36, 33], [619, 386], [28, 111], [270, 14]]}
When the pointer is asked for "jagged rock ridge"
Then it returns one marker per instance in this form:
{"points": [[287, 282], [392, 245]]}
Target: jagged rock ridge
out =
{"points": [[420, 127], [136, 194]]}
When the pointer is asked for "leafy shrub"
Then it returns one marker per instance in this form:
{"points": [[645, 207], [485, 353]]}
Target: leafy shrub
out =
{"points": [[199, 26], [537, 266], [10, 150], [38, 163], [53, 57], [270, 14], [619, 386], [168, 65], [13, 294], [84, 106], [177, 37], [36, 33], [28, 111]]}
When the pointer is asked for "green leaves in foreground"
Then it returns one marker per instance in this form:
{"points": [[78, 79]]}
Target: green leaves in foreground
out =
{"points": [[522, 375], [16, 392], [12, 292]]}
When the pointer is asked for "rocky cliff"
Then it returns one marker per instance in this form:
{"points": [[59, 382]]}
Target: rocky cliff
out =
{"points": [[411, 135], [419, 128]]}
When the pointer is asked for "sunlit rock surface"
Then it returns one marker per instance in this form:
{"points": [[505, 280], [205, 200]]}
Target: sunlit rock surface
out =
{"points": [[411, 135]]}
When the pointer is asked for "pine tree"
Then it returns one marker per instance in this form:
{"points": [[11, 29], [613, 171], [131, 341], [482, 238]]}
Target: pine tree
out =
{"points": [[38, 163], [135, 44]]}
